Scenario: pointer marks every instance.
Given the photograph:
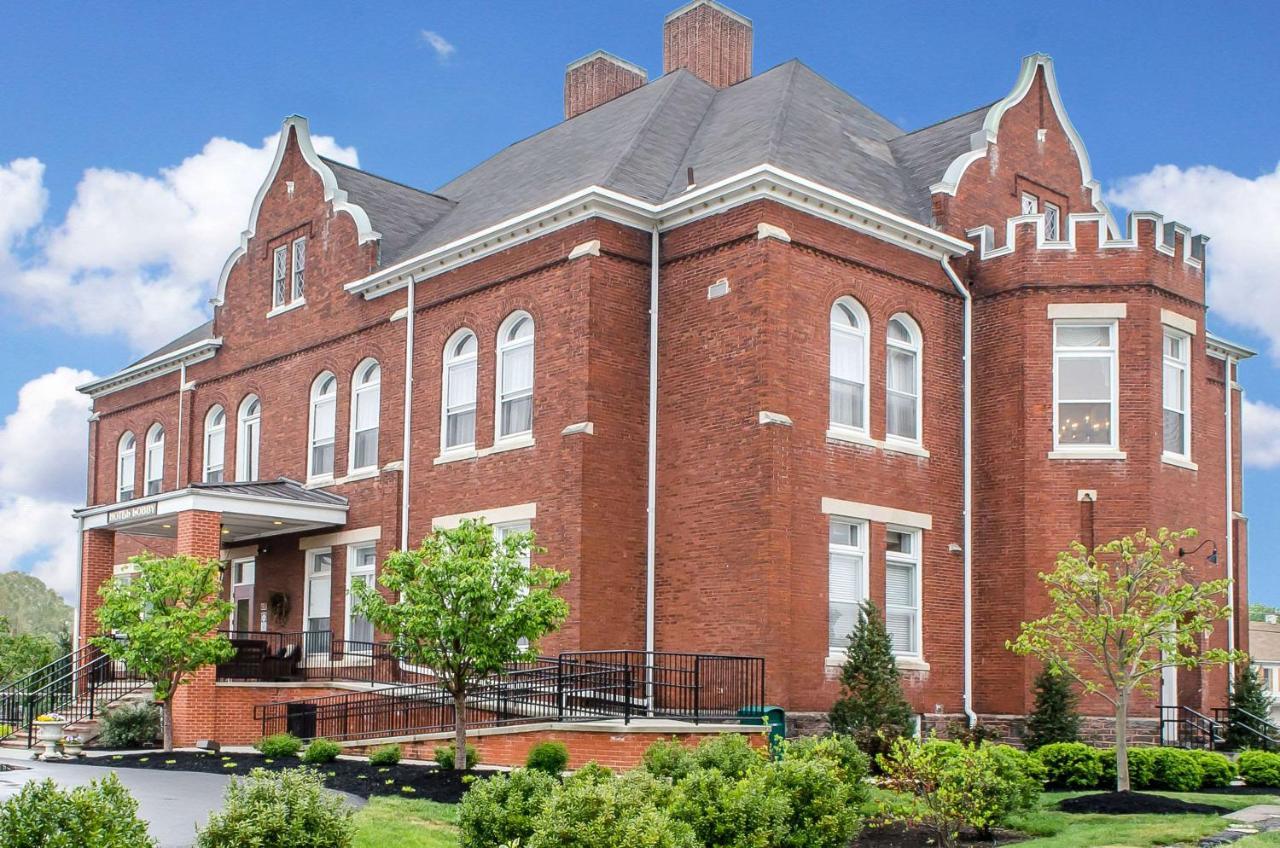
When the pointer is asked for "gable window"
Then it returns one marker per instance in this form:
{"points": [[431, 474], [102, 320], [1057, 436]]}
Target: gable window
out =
{"points": [[1177, 394], [366, 395], [1030, 204], [215, 443], [459, 429], [299, 267], [849, 354], [153, 464], [902, 589], [324, 408], [846, 580], [1084, 384], [280, 276], [126, 453], [902, 380], [515, 376], [248, 438]]}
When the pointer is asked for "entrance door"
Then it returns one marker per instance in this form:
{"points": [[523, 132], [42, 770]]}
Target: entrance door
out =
{"points": [[318, 600], [242, 577]]}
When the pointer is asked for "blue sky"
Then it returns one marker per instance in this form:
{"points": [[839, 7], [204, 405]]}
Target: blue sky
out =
{"points": [[118, 202]]}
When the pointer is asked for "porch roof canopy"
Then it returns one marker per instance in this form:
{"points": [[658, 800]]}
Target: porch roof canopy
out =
{"points": [[251, 510]]}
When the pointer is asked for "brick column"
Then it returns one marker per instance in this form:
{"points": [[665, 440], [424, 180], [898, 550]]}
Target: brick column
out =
{"points": [[194, 705], [97, 564]]}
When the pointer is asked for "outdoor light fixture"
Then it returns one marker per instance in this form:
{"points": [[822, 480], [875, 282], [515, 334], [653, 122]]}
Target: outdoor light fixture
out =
{"points": [[1212, 557]]}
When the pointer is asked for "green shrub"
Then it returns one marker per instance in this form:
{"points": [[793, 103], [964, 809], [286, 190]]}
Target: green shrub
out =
{"points": [[731, 753], [1071, 765], [1053, 718], [669, 759], [625, 812], [445, 755], [840, 750], [387, 755], [321, 751], [1022, 774], [1176, 769], [872, 708], [285, 809], [1142, 768], [724, 812], [131, 725], [824, 811], [549, 757], [1218, 769], [592, 772], [502, 809], [102, 814], [1259, 768], [279, 746]]}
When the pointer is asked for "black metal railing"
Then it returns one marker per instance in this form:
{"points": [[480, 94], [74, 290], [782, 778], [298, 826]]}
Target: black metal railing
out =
{"points": [[580, 686], [1184, 727], [1244, 726], [309, 655], [13, 695]]}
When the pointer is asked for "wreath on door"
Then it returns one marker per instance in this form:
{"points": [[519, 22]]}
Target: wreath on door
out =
{"points": [[278, 605]]}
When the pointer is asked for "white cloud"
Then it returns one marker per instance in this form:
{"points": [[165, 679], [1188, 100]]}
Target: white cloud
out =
{"points": [[42, 478], [135, 255], [437, 42], [1261, 432], [1241, 216]]}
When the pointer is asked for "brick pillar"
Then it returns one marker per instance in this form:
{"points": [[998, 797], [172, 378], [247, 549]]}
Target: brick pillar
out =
{"points": [[97, 564], [199, 535]]}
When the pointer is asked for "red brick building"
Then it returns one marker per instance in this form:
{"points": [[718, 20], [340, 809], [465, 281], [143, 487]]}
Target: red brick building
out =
{"points": [[740, 350]]}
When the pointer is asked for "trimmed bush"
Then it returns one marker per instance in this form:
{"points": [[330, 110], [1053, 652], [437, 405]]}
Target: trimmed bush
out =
{"points": [[1176, 769], [839, 750], [502, 809], [131, 725], [725, 811], [1218, 769], [387, 755], [1259, 768], [730, 753], [284, 809], [321, 751], [102, 814], [445, 755], [1023, 775], [279, 746], [625, 812], [669, 759], [1072, 765], [824, 811], [1142, 768], [592, 772], [549, 757]]}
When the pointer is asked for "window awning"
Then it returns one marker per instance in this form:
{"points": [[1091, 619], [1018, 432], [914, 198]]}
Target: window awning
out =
{"points": [[249, 510]]}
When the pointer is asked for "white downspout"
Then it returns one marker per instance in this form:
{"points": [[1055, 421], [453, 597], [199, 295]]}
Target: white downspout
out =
{"points": [[968, 491], [182, 390], [652, 529], [1229, 382], [408, 416]]}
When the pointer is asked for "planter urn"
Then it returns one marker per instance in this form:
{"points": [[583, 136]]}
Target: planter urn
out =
{"points": [[49, 734]]}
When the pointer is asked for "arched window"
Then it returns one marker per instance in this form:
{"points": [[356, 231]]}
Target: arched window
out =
{"points": [[515, 376], [902, 380], [126, 464], [153, 465], [459, 407], [324, 409], [215, 443], [849, 354], [366, 396], [248, 438]]}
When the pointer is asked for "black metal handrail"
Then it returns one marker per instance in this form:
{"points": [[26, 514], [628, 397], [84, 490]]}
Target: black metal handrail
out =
{"points": [[1184, 727], [1255, 727], [311, 655], [12, 695]]}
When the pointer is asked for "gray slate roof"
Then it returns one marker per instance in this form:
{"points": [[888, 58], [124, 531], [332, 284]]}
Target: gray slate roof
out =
{"points": [[282, 488], [400, 213], [204, 331]]}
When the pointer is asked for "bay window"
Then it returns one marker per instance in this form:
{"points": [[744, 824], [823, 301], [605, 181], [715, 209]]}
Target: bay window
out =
{"points": [[1085, 366]]}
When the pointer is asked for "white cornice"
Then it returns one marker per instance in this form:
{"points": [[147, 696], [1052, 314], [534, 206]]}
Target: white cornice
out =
{"points": [[151, 368], [332, 193], [762, 182], [1220, 348]]}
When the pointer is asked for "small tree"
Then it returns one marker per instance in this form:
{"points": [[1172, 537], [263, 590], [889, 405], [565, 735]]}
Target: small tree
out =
{"points": [[466, 600], [871, 707], [23, 653], [1054, 717], [166, 621], [1249, 701], [1120, 616]]}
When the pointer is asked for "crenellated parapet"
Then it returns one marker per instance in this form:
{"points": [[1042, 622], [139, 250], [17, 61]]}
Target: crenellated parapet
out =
{"points": [[1088, 253]]}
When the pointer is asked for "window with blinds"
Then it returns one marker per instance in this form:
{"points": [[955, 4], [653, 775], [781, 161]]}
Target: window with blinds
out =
{"points": [[902, 589], [847, 580]]}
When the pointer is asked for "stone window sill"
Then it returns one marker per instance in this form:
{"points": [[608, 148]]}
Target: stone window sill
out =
{"points": [[855, 437], [1179, 461], [904, 663], [1099, 453], [287, 307], [516, 443]]}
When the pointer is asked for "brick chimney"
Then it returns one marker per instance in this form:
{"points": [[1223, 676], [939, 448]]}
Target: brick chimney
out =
{"points": [[710, 40], [596, 79]]}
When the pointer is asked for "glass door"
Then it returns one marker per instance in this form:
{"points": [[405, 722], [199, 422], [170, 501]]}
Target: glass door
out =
{"points": [[318, 600], [242, 579]]}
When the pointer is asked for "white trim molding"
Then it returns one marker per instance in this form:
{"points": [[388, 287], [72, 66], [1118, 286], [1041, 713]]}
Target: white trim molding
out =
{"points": [[1178, 322], [877, 513], [767, 417], [340, 538], [587, 428], [496, 515], [1164, 239], [149, 369], [1090, 453], [1087, 310], [587, 248], [241, 552], [767, 231]]}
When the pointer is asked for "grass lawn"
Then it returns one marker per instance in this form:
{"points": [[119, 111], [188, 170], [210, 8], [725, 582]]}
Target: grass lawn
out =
{"points": [[406, 823], [1262, 839]]}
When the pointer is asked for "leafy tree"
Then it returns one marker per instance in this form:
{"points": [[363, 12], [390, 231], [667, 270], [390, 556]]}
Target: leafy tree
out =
{"points": [[23, 653], [31, 607], [1053, 717], [1120, 616], [167, 617], [1259, 612], [466, 600], [1249, 697], [871, 707]]}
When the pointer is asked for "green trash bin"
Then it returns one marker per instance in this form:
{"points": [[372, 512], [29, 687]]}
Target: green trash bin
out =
{"points": [[775, 717]]}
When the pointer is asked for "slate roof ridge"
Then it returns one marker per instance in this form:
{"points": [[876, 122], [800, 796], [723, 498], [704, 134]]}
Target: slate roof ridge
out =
{"points": [[659, 102], [428, 193], [781, 123]]}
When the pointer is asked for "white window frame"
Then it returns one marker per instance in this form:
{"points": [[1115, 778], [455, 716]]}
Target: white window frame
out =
{"points": [[297, 274], [153, 461], [862, 331], [449, 360], [315, 646], [126, 454], [1052, 222], [248, 439], [1183, 366], [280, 276], [916, 348], [504, 348], [214, 431], [916, 561], [500, 532], [1030, 204], [355, 569], [860, 550], [236, 579], [1113, 352], [365, 390], [316, 401]]}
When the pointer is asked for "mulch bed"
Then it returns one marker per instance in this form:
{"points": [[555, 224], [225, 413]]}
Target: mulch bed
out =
{"points": [[1126, 803], [902, 836], [355, 776]]}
